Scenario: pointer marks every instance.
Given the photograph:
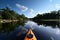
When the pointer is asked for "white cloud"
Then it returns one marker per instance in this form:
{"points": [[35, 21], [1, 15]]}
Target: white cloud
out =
{"points": [[23, 8], [57, 6], [31, 12], [39, 12]]}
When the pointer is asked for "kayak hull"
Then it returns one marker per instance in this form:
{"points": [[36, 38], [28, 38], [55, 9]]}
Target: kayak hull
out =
{"points": [[30, 32]]}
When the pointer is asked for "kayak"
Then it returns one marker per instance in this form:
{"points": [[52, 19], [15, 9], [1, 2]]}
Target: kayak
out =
{"points": [[30, 35]]}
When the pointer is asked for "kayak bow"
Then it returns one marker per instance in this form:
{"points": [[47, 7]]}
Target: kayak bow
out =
{"points": [[30, 36]]}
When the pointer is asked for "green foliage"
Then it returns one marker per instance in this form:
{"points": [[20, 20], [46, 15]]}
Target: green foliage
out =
{"points": [[51, 15], [6, 13]]}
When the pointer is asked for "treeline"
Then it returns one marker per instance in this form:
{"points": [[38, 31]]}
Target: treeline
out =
{"points": [[51, 15], [8, 14]]}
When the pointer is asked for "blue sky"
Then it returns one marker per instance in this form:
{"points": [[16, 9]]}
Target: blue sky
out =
{"points": [[31, 8]]}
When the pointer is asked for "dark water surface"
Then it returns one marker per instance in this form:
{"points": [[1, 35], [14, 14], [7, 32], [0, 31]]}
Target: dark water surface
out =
{"points": [[17, 31]]}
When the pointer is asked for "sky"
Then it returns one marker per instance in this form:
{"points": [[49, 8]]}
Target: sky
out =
{"points": [[31, 8]]}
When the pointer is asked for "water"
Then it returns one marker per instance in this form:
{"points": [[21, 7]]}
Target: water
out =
{"points": [[17, 31]]}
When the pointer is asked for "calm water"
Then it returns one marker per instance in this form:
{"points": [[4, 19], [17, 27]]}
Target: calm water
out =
{"points": [[17, 31]]}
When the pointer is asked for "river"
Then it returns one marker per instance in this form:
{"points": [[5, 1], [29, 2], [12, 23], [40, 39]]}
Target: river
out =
{"points": [[15, 31]]}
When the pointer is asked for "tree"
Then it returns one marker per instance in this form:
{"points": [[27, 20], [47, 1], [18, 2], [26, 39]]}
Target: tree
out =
{"points": [[7, 13]]}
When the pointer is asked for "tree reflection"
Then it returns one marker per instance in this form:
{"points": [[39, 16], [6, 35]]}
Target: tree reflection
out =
{"points": [[7, 27], [49, 23]]}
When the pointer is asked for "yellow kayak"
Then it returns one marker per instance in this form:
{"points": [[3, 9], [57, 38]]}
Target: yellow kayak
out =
{"points": [[30, 36]]}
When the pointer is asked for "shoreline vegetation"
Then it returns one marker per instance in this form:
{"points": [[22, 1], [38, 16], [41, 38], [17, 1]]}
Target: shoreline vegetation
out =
{"points": [[7, 21], [9, 15], [50, 20], [52, 16]]}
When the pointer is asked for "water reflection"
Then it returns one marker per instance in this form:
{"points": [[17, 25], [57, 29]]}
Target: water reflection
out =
{"points": [[7, 27], [49, 23], [44, 32], [17, 31]]}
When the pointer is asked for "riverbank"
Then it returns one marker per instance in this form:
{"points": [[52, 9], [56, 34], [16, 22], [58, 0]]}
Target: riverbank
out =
{"points": [[6, 21], [50, 20]]}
